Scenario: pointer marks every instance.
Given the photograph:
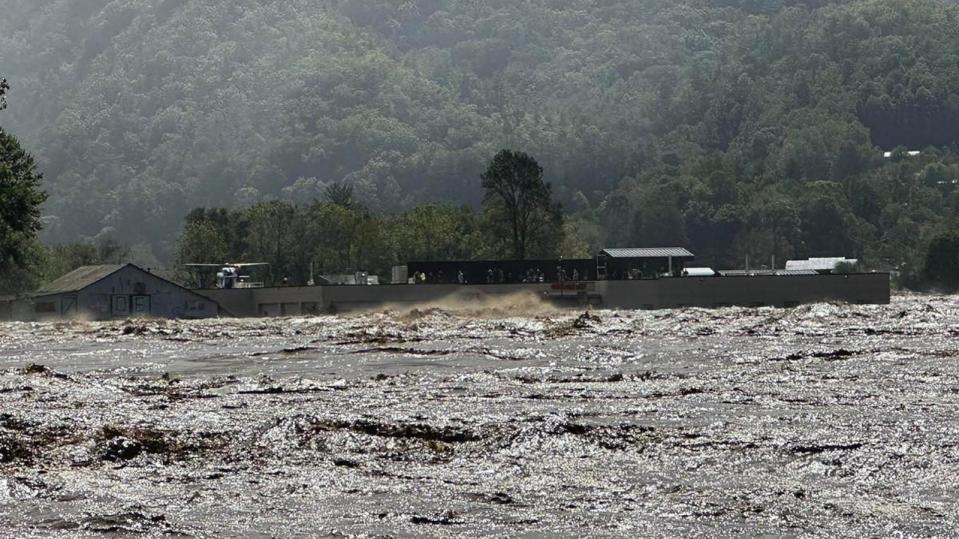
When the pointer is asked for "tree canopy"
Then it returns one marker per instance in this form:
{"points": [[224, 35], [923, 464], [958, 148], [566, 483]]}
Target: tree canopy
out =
{"points": [[520, 204], [20, 200], [20, 196], [737, 127]]}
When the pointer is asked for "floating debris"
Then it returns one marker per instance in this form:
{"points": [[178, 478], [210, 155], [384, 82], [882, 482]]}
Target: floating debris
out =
{"points": [[436, 422]]}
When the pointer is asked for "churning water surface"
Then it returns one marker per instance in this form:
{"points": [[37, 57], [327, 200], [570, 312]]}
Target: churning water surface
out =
{"points": [[508, 420]]}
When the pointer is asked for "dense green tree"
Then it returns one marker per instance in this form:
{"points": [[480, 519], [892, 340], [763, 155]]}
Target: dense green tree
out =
{"points": [[575, 242], [231, 226], [519, 204], [942, 261], [659, 220], [58, 260], [65, 258], [144, 109], [273, 236], [201, 243], [20, 200], [433, 232], [826, 222], [334, 231]]}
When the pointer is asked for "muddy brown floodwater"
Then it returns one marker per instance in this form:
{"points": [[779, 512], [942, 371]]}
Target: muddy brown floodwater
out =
{"points": [[826, 420]]}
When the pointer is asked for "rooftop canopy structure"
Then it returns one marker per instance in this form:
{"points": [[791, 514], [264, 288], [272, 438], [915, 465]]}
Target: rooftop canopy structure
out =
{"points": [[642, 263], [609, 264], [502, 271]]}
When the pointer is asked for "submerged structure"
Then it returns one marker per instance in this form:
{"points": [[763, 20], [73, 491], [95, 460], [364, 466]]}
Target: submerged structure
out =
{"points": [[107, 292], [640, 278], [655, 278]]}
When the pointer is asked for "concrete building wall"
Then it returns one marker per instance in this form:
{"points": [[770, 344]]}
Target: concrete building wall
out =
{"points": [[295, 301], [780, 291], [236, 302], [345, 298]]}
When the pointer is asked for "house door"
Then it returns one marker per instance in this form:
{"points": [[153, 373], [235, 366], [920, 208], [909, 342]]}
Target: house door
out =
{"points": [[120, 305], [141, 304], [68, 305]]}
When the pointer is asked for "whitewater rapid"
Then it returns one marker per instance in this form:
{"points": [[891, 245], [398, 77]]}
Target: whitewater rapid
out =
{"points": [[504, 420]]}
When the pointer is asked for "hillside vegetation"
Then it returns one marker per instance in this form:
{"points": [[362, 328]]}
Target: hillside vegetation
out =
{"points": [[734, 127]]}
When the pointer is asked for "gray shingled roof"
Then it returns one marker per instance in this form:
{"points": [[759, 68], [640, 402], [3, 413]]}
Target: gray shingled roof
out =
{"points": [[653, 252], [77, 279]]}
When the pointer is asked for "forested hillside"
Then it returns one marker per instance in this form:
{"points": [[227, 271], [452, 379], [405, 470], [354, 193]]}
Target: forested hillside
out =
{"points": [[734, 127]]}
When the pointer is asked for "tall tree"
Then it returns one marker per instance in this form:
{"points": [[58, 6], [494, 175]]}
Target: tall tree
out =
{"points": [[515, 191], [271, 237], [431, 232], [20, 195], [201, 243], [20, 200]]}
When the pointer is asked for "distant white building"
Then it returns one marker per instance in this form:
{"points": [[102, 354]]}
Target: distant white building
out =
{"points": [[910, 153], [348, 279]]}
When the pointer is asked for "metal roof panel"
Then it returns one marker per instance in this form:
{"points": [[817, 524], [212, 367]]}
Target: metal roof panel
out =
{"points": [[78, 279], [649, 252]]}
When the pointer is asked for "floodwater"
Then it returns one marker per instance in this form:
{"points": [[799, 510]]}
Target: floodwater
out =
{"points": [[518, 421]]}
